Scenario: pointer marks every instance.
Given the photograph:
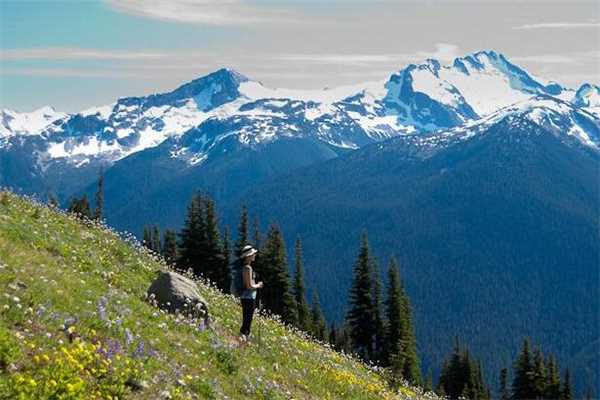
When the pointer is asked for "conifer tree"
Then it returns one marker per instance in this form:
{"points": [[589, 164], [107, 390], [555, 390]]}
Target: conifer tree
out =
{"points": [[147, 242], [461, 376], [566, 393], [155, 239], [319, 324], [226, 248], [276, 293], [169, 250], [192, 244], [412, 364], [503, 391], [52, 201], [304, 320], [396, 324], [242, 236], [539, 374], [333, 335], [216, 270], [379, 339], [360, 318], [552, 391], [99, 197], [428, 386], [522, 386], [80, 207]]}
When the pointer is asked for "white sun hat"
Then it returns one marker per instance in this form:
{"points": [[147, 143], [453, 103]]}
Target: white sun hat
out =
{"points": [[248, 250]]}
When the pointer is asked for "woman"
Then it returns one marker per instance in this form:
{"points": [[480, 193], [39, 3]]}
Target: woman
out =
{"points": [[248, 296]]}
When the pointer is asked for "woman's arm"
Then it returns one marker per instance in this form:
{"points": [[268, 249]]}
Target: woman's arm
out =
{"points": [[248, 280]]}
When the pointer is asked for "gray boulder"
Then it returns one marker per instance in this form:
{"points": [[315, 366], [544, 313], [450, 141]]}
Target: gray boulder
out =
{"points": [[176, 293]]}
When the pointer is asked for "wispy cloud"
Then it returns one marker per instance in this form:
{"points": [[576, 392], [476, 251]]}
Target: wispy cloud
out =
{"points": [[560, 25], [206, 12], [443, 52], [61, 53]]}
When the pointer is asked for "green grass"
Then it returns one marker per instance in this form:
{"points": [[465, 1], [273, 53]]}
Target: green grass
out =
{"points": [[55, 341]]}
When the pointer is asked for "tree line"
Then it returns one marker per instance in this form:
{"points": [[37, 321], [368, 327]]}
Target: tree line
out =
{"points": [[378, 328]]}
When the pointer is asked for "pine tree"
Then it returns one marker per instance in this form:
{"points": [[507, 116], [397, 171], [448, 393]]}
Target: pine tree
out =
{"points": [[428, 386], [566, 393], [360, 318], [52, 201], [99, 197], [539, 374], [503, 391], [396, 326], [155, 240], [147, 242], [333, 335], [303, 312], [80, 207], [226, 248], [461, 376], [215, 268], [522, 386], [412, 364], [319, 324], [276, 293], [242, 236], [192, 246], [553, 380], [379, 339], [169, 250]]}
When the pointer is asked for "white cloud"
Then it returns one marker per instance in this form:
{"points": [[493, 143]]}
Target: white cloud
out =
{"points": [[207, 12], [443, 52], [560, 25], [61, 53]]}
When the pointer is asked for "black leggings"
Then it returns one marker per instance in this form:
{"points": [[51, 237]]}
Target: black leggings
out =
{"points": [[247, 312]]}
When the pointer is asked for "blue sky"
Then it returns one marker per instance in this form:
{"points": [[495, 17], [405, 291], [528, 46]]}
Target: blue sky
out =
{"points": [[76, 54]]}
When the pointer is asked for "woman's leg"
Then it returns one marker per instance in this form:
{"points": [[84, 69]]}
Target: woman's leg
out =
{"points": [[247, 312]]}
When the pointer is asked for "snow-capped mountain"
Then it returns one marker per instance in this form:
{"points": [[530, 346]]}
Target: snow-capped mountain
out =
{"points": [[226, 111], [419, 98], [14, 123]]}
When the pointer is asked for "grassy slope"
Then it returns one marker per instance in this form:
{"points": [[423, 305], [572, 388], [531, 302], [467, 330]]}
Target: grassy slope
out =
{"points": [[54, 339]]}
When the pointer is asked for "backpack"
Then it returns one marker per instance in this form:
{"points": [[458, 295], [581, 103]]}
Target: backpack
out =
{"points": [[237, 285]]}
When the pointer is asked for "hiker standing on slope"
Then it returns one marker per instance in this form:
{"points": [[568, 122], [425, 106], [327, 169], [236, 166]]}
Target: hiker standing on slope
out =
{"points": [[248, 295]]}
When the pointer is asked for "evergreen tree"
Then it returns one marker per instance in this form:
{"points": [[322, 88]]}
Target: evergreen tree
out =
{"points": [[304, 322], [396, 326], [360, 318], [226, 247], [503, 391], [155, 240], [412, 364], [192, 245], [553, 380], [522, 386], [333, 335], [147, 242], [52, 201], [80, 207], [319, 324], [566, 393], [428, 386], [169, 250], [379, 339], [99, 197], [539, 374], [242, 236], [216, 270], [461, 376], [276, 294]]}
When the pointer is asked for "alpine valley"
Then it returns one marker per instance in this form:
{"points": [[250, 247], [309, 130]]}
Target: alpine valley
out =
{"points": [[482, 180]]}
